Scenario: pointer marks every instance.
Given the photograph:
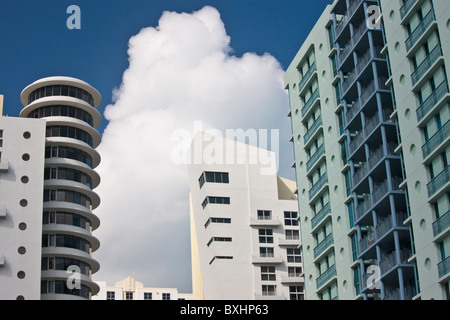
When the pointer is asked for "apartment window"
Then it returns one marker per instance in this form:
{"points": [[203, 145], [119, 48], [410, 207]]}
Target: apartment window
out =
{"points": [[265, 235], [219, 239], [128, 295], [217, 200], [350, 214], [294, 271], [266, 252], [215, 177], [110, 295], [166, 296], [296, 293], [354, 247], [290, 218], [148, 296], [292, 234], [269, 290], [264, 214], [217, 220], [1, 138], [220, 258], [293, 255], [268, 273]]}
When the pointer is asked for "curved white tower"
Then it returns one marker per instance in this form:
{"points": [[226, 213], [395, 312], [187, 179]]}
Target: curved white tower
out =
{"points": [[69, 107]]}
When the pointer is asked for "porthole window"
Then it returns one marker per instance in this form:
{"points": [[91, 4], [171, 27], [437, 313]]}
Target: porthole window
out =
{"points": [[22, 250], [26, 157], [23, 203], [21, 274], [24, 179], [27, 135], [22, 226]]}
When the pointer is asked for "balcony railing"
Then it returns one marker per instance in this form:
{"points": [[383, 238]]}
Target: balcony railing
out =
{"points": [[419, 30], [319, 152], [320, 215], [310, 102], [388, 261], [442, 223], [439, 181], [326, 276], [440, 136], [324, 245], [318, 185], [394, 294], [317, 123], [307, 75], [431, 101], [407, 5], [444, 267], [432, 57]]}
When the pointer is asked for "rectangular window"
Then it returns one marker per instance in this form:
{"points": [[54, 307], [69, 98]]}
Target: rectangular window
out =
{"points": [[292, 234], [217, 200], [214, 177], [269, 290], [128, 295], [290, 218], [264, 214], [268, 273], [110, 295], [265, 235], [166, 296], [294, 271], [219, 239], [293, 255], [148, 296], [296, 293], [217, 220], [266, 252]]}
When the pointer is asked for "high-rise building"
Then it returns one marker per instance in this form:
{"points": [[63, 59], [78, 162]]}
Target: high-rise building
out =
{"points": [[130, 289], [22, 144], [46, 199], [244, 228], [367, 89]]}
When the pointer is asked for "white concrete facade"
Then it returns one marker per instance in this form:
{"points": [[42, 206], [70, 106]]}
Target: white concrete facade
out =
{"points": [[244, 228], [21, 184], [130, 289]]}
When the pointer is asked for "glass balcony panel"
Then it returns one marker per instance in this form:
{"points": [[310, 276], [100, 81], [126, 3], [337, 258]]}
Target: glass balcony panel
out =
{"points": [[319, 152], [426, 64], [444, 267], [323, 245], [326, 276], [439, 181], [419, 30], [318, 185], [317, 123], [442, 223], [440, 136], [320, 216], [310, 102], [431, 101], [407, 5], [307, 75]]}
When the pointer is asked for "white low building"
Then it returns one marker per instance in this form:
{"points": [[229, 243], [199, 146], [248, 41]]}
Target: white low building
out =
{"points": [[130, 289], [244, 229]]}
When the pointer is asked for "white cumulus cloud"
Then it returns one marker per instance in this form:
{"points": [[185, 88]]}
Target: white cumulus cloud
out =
{"points": [[180, 72]]}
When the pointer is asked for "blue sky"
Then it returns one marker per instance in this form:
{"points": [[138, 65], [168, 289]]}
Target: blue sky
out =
{"points": [[36, 42]]}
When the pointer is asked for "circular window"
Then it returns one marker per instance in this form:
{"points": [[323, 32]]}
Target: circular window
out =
{"points": [[21, 274], [22, 250], [27, 135], [23, 203], [20, 298], [22, 226], [26, 157], [24, 179]]}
